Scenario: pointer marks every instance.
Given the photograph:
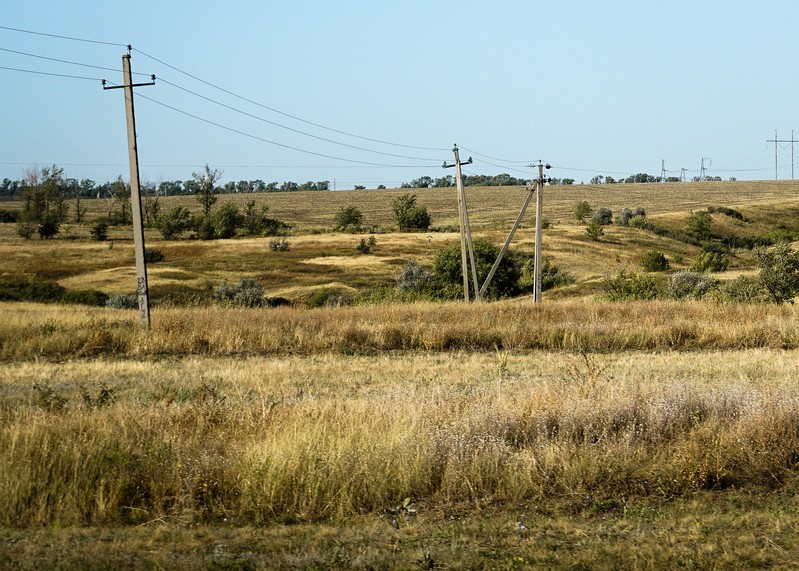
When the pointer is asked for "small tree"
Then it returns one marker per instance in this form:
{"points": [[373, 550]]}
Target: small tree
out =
{"points": [[49, 226], [582, 210], [594, 230], [206, 192], [698, 225], [174, 222], [99, 230], [779, 272], [409, 216], [225, 221], [447, 269], [654, 261], [349, 219]]}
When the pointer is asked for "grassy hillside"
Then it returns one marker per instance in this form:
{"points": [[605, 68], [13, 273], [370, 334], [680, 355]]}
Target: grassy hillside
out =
{"points": [[319, 258]]}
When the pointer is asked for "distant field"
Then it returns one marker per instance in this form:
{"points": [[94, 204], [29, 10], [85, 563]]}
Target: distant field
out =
{"points": [[319, 258]]}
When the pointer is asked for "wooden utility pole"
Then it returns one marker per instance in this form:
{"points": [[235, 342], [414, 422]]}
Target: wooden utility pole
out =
{"points": [[142, 288], [465, 228]]}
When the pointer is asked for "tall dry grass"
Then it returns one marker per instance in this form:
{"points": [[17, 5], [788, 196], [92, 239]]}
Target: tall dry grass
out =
{"points": [[313, 437], [35, 331]]}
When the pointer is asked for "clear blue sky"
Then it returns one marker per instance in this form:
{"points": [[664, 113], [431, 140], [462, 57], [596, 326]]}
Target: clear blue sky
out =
{"points": [[605, 87]]}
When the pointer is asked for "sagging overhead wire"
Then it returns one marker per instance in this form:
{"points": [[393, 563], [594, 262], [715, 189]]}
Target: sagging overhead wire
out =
{"points": [[256, 117], [296, 118], [262, 139], [50, 74], [66, 61], [61, 37]]}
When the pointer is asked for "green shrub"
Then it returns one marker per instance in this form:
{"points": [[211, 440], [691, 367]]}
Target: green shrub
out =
{"points": [[640, 222], [582, 210], [363, 247], [688, 284], [8, 216], [447, 269], [628, 286], [174, 222], [320, 298], [49, 226], [594, 230], [654, 261], [85, 297], [349, 219], [153, 255], [551, 275], [698, 225], [779, 272], [225, 220], [711, 262], [31, 289], [409, 216], [740, 290], [99, 230]]}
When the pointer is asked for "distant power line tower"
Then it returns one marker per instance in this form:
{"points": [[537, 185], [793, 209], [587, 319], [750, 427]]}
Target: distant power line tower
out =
{"points": [[663, 170], [777, 140], [703, 170]]}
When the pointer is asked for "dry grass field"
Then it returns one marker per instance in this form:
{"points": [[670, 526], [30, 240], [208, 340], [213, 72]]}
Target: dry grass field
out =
{"points": [[579, 434]]}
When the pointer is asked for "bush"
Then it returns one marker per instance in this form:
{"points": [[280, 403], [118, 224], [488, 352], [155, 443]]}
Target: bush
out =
{"points": [[225, 220], [551, 275], [594, 230], [582, 210], [85, 297], [49, 226], [603, 216], [409, 216], [247, 293], [687, 284], [174, 222], [654, 261], [713, 261], [32, 289], [363, 247], [447, 269], [99, 230], [779, 272], [349, 219], [414, 278], [626, 286], [698, 225], [740, 290], [276, 245], [153, 255], [123, 301], [639, 221], [8, 216]]}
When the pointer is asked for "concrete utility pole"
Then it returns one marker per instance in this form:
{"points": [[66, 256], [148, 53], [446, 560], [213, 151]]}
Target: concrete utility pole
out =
{"points": [[465, 228], [142, 288], [539, 215]]}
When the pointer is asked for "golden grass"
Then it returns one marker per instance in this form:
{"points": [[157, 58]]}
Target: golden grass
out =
{"points": [[575, 325]]}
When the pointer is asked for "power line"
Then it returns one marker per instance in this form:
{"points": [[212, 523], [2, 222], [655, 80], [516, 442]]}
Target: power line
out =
{"points": [[290, 128], [51, 74], [65, 61], [256, 137], [62, 37], [340, 132], [495, 158]]}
